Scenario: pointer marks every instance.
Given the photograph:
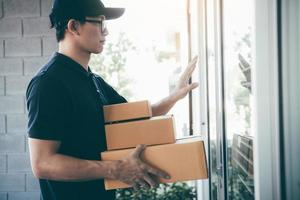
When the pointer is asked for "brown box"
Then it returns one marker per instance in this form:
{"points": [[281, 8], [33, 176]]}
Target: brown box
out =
{"points": [[183, 161], [127, 111], [156, 130]]}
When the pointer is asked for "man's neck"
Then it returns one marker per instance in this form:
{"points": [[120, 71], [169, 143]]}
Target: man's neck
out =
{"points": [[81, 57]]}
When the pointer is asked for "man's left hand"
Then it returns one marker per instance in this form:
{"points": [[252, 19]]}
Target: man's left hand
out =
{"points": [[184, 87]]}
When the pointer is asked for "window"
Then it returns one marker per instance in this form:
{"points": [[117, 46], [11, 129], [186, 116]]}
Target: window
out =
{"points": [[145, 53], [238, 31]]}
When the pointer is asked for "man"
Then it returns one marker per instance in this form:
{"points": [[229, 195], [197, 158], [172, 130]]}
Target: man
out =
{"points": [[64, 102]]}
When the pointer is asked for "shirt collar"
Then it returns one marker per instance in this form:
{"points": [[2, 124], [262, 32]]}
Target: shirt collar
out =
{"points": [[72, 64]]}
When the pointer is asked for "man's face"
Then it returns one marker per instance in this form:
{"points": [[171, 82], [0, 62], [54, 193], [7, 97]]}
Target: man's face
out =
{"points": [[92, 34]]}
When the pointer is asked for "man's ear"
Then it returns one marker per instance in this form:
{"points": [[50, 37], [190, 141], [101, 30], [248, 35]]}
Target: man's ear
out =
{"points": [[73, 27]]}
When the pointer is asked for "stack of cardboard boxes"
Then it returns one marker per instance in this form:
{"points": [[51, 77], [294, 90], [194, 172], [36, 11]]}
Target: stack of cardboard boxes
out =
{"points": [[130, 124]]}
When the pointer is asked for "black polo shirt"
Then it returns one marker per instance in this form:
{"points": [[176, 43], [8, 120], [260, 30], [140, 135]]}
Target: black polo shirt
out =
{"points": [[64, 103]]}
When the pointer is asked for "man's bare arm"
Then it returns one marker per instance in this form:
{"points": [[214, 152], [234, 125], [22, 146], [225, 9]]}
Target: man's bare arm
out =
{"points": [[163, 106], [48, 164]]}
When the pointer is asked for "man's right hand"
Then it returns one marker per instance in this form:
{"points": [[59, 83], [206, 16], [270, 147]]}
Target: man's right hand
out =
{"points": [[133, 171]]}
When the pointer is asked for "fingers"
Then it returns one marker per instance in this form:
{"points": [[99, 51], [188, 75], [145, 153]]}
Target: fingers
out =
{"points": [[140, 183], [135, 186], [186, 89], [189, 70], [143, 184], [157, 172], [142, 175], [190, 87], [191, 64], [138, 150], [193, 86], [195, 58], [146, 182], [150, 181]]}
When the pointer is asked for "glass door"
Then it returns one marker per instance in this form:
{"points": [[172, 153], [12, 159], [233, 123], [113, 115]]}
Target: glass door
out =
{"points": [[237, 61], [229, 30]]}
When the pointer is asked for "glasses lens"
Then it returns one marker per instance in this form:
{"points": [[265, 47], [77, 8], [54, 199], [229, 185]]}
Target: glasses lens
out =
{"points": [[103, 26], [101, 23]]}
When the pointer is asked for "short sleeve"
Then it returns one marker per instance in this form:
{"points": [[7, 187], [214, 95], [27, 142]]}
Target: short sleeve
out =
{"points": [[112, 95], [48, 109], [115, 96]]}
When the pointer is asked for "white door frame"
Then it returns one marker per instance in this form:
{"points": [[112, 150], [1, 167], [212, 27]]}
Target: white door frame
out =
{"points": [[266, 102]]}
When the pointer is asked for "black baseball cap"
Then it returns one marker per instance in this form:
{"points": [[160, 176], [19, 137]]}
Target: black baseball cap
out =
{"points": [[63, 10]]}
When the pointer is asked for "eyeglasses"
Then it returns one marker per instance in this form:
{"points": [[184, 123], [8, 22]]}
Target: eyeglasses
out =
{"points": [[101, 23]]}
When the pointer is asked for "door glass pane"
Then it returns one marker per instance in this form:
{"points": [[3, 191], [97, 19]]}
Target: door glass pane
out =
{"points": [[212, 103], [238, 27]]}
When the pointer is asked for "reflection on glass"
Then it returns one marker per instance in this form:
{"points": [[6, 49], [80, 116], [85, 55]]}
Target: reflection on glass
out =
{"points": [[238, 28]]}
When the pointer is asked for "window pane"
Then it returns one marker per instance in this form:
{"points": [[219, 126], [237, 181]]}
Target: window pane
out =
{"points": [[238, 61], [146, 51]]}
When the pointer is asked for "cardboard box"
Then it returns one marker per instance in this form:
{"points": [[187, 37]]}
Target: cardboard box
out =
{"points": [[156, 130], [127, 111], [183, 161]]}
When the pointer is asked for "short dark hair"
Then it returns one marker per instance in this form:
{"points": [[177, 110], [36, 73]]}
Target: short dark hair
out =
{"points": [[61, 27], [60, 30]]}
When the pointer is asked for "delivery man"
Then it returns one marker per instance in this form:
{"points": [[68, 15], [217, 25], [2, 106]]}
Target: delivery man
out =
{"points": [[64, 102]]}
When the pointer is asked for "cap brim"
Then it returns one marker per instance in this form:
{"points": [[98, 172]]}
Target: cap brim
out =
{"points": [[113, 13]]}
